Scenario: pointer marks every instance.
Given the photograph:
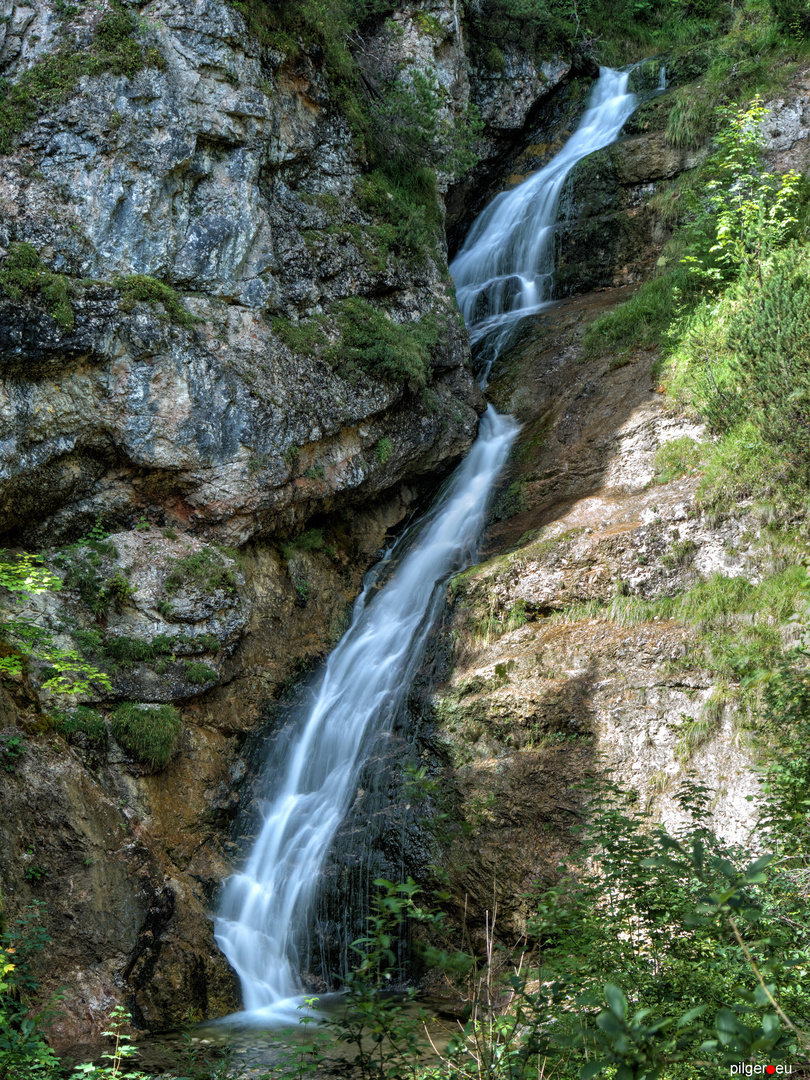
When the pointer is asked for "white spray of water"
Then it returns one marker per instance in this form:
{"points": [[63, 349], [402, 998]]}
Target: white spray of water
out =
{"points": [[369, 673]]}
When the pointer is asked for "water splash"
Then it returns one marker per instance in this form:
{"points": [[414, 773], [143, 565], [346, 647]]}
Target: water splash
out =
{"points": [[502, 273]]}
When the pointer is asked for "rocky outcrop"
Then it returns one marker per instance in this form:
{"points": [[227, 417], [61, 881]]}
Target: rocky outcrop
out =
{"points": [[610, 234], [229, 175], [557, 661]]}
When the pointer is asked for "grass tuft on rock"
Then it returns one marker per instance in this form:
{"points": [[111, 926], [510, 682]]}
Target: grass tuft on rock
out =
{"points": [[203, 570], [23, 274], [142, 287], [149, 733]]}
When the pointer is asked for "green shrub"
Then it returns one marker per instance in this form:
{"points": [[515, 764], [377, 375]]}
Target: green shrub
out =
{"points": [[24, 273], [303, 337], [770, 366], [126, 651], [402, 196], [371, 342], [793, 16], [203, 569], [149, 733], [742, 465]]}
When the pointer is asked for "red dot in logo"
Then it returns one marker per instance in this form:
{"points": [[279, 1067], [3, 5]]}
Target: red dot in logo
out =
{"points": [[770, 1070]]}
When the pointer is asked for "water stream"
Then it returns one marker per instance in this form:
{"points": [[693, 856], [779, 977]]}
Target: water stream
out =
{"points": [[502, 274], [505, 270]]}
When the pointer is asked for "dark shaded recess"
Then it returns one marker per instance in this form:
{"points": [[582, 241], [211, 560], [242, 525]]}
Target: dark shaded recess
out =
{"points": [[140, 969], [68, 478]]}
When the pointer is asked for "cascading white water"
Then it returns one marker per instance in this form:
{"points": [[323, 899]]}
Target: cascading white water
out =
{"points": [[505, 269], [363, 683], [369, 673]]}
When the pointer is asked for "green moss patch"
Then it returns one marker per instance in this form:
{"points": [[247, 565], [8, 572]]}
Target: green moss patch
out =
{"points": [[24, 275]]}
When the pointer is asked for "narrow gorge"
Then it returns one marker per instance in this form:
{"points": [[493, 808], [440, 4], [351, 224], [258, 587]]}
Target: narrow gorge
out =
{"points": [[373, 482]]}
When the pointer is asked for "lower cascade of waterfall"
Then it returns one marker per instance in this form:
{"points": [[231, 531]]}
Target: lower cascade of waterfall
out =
{"points": [[363, 684], [502, 274]]}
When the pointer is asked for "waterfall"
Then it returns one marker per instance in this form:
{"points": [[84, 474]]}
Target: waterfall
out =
{"points": [[505, 269], [503, 272]]}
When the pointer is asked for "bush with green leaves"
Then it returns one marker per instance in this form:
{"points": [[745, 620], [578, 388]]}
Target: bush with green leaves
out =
{"points": [[372, 342], [68, 672], [148, 732], [793, 16], [24, 1051]]}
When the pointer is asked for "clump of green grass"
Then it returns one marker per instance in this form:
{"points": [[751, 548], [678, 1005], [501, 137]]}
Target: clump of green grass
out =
{"points": [[204, 569], [23, 274], [679, 457], [382, 451], [134, 287], [739, 626], [149, 733], [640, 321], [403, 199], [126, 651], [198, 673]]}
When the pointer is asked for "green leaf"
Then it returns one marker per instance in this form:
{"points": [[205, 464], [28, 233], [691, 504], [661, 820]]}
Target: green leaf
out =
{"points": [[592, 1068], [693, 1014], [616, 1000]]}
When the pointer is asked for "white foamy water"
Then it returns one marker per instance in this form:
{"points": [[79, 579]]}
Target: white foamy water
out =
{"points": [[505, 269]]}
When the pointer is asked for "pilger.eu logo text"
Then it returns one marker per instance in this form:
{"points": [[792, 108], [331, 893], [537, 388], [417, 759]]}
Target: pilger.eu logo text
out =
{"points": [[782, 1068]]}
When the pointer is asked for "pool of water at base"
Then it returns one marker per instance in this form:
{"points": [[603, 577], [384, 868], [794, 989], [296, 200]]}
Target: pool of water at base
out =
{"points": [[254, 1052]]}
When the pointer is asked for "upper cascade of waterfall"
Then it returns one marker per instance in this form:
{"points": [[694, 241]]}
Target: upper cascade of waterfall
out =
{"points": [[505, 269]]}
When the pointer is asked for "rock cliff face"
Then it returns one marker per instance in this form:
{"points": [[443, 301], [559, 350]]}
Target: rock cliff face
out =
{"points": [[556, 661], [229, 175]]}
